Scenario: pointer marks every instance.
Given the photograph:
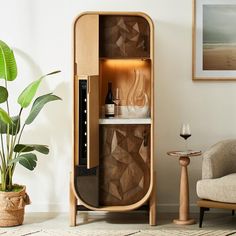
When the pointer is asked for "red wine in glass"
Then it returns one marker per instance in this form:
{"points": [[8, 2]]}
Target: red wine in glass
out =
{"points": [[185, 133], [185, 136]]}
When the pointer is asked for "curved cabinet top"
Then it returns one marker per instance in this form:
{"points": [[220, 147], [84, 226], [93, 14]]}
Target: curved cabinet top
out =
{"points": [[110, 35]]}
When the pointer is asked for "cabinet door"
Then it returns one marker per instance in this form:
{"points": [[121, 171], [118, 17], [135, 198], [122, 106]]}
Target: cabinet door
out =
{"points": [[92, 122], [124, 171], [86, 45]]}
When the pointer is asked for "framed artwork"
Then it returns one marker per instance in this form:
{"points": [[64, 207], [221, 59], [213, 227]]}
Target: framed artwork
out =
{"points": [[214, 39]]}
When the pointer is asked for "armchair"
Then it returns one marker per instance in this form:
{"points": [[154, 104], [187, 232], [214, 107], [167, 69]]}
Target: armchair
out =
{"points": [[217, 189]]}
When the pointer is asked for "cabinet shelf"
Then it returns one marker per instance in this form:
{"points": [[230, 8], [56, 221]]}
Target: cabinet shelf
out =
{"points": [[121, 121]]}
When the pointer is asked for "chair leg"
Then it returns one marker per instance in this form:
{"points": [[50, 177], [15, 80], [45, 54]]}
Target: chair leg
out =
{"points": [[202, 211], [233, 212]]}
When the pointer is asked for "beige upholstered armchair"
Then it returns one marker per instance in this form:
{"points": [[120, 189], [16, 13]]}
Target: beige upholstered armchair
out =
{"points": [[217, 189]]}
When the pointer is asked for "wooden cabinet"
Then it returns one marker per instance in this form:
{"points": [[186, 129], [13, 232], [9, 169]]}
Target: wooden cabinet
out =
{"points": [[113, 163]]}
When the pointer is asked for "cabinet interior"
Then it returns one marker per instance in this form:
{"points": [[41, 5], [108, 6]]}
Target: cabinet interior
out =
{"points": [[122, 74]]}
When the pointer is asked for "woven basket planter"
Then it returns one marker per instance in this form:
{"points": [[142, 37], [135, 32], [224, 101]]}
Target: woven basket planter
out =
{"points": [[12, 207]]}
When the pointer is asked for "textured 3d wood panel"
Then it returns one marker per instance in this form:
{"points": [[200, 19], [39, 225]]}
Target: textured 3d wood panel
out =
{"points": [[124, 36], [124, 164]]}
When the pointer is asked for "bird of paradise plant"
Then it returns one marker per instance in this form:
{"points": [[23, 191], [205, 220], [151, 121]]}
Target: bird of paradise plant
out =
{"points": [[12, 151]]}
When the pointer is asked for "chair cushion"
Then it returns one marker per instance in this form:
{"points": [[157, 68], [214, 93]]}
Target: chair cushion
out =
{"points": [[221, 189]]}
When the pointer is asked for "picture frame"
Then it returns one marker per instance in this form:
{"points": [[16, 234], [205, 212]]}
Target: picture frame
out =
{"points": [[214, 40]]}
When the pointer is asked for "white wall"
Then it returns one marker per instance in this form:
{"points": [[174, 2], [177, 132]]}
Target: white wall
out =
{"points": [[40, 32]]}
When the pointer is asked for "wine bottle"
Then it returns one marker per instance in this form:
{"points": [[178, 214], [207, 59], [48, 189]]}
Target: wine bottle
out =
{"points": [[109, 103]]}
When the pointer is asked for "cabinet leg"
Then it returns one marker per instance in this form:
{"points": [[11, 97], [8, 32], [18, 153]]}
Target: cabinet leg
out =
{"points": [[73, 204], [153, 204]]}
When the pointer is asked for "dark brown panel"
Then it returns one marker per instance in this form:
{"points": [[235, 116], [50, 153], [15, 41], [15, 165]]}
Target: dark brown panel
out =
{"points": [[87, 184], [124, 37], [124, 164]]}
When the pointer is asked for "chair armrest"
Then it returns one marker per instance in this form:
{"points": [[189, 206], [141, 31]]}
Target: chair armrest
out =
{"points": [[219, 160]]}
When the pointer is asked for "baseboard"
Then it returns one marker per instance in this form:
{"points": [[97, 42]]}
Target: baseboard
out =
{"points": [[41, 207], [193, 208], [172, 208]]}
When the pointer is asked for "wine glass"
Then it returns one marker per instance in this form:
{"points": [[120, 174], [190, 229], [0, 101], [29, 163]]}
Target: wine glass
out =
{"points": [[185, 133]]}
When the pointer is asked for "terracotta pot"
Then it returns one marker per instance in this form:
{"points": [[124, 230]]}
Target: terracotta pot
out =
{"points": [[12, 207]]}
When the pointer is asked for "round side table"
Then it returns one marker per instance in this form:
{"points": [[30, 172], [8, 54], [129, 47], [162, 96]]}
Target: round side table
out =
{"points": [[184, 160]]}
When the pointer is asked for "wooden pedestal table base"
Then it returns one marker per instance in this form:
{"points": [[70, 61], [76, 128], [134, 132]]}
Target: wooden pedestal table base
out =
{"points": [[184, 187]]}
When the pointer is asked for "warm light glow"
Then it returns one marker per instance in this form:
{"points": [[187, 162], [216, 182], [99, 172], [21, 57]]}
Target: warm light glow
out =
{"points": [[125, 63]]}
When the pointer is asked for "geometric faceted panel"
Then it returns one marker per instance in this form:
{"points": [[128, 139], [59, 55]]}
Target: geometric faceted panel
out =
{"points": [[124, 36], [124, 164]]}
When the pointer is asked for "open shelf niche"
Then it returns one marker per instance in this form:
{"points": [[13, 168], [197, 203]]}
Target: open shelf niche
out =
{"points": [[123, 75]]}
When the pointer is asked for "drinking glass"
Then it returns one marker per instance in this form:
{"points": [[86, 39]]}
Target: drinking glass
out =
{"points": [[185, 133]]}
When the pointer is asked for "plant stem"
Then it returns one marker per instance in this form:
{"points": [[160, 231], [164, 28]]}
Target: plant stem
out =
{"points": [[18, 143], [17, 126], [10, 180], [3, 167], [8, 141], [8, 110], [3, 174], [10, 169], [21, 133], [3, 152], [3, 181], [2, 160], [1, 157], [8, 127]]}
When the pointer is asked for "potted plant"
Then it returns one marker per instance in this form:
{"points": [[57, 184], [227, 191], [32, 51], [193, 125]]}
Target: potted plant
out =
{"points": [[13, 197]]}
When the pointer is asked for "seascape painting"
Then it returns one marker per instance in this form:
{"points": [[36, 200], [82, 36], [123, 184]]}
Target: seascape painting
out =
{"points": [[219, 37]]}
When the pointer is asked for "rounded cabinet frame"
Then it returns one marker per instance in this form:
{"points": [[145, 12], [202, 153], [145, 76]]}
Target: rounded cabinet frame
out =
{"points": [[150, 196]]}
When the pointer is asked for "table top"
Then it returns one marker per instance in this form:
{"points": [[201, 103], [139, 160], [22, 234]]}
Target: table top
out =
{"points": [[188, 153]]}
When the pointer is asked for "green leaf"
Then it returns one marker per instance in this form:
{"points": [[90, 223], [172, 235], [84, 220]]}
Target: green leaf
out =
{"points": [[8, 68], [28, 160], [38, 105], [31, 147], [23, 148], [42, 149], [29, 92], [3, 94], [12, 126], [5, 117]]}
